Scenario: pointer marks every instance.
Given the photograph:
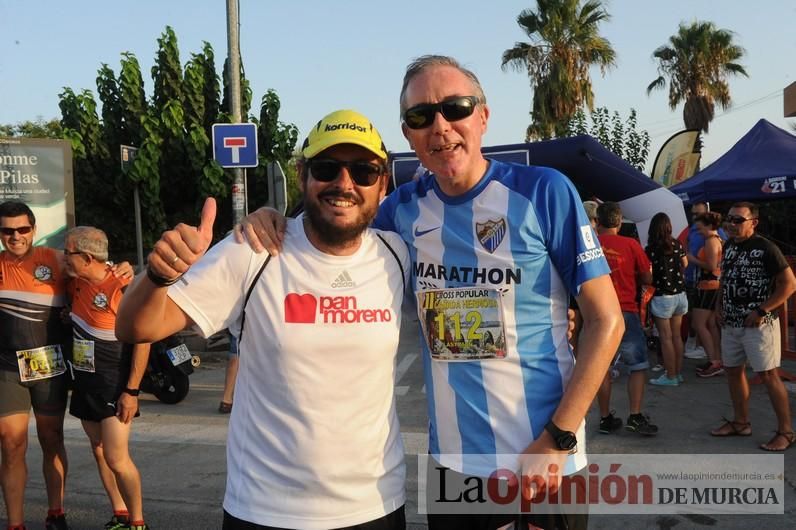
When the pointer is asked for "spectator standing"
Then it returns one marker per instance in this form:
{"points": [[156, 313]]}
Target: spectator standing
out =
{"points": [[230, 375], [756, 279], [703, 302], [591, 212], [32, 281], [107, 373], [669, 303], [693, 239], [629, 267]]}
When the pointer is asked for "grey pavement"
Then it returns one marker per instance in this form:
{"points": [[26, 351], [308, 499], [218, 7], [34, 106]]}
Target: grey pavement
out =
{"points": [[180, 449]]}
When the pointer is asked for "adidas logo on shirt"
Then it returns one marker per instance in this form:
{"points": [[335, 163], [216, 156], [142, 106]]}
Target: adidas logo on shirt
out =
{"points": [[343, 280]]}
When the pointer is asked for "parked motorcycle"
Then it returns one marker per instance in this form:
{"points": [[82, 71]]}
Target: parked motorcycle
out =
{"points": [[170, 364]]}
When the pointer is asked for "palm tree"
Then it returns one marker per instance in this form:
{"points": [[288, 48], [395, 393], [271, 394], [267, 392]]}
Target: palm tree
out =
{"points": [[697, 62], [565, 44]]}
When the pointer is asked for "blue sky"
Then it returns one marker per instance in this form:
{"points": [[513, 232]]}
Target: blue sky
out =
{"points": [[323, 55]]}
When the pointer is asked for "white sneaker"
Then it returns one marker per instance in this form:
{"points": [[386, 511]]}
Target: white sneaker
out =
{"points": [[695, 353]]}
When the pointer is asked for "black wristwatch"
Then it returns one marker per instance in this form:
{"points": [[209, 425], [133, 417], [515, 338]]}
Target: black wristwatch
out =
{"points": [[762, 312], [132, 391], [564, 440]]}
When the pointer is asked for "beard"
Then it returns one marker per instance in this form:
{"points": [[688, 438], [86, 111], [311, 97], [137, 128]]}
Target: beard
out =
{"points": [[335, 234]]}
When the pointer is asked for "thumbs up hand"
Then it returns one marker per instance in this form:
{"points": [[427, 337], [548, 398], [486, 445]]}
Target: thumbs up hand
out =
{"points": [[182, 246]]}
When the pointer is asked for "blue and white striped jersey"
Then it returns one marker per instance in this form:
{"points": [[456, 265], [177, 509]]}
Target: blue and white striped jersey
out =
{"points": [[521, 230]]}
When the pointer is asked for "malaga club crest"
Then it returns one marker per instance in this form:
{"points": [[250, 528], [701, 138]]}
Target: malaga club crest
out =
{"points": [[43, 273], [101, 300], [491, 233]]}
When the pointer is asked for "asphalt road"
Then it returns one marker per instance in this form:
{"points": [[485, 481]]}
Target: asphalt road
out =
{"points": [[180, 451]]}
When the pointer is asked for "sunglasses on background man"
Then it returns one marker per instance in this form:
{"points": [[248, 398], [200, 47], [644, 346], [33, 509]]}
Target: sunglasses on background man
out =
{"points": [[737, 219], [8, 231]]}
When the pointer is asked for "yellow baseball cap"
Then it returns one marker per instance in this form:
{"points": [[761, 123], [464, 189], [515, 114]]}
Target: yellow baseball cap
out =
{"points": [[343, 127]]}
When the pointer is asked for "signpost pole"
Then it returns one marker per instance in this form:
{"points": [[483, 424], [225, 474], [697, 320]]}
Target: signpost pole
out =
{"points": [[128, 154], [233, 45], [139, 234]]}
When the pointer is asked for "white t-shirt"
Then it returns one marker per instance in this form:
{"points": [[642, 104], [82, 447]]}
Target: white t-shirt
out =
{"points": [[313, 440]]}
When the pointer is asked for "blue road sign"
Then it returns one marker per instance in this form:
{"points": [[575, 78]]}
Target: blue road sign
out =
{"points": [[235, 144]]}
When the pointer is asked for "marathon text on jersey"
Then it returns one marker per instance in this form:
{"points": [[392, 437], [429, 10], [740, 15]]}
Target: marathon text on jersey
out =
{"points": [[494, 276]]}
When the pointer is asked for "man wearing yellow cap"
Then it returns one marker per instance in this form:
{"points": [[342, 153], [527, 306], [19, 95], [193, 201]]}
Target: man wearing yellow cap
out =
{"points": [[313, 437]]}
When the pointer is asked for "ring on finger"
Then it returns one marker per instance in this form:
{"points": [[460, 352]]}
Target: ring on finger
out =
{"points": [[175, 260]]}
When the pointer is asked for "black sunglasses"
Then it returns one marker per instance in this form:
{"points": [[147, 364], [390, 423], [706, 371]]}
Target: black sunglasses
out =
{"points": [[453, 109], [737, 219], [8, 231], [362, 173]]}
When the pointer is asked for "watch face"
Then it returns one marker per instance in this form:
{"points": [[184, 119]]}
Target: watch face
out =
{"points": [[567, 441]]}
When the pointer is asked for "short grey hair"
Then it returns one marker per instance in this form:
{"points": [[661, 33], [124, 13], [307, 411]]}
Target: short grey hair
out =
{"points": [[417, 66], [591, 209], [89, 240]]}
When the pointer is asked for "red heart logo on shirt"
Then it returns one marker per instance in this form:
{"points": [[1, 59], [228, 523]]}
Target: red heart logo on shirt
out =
{"points": [[300, 308]]}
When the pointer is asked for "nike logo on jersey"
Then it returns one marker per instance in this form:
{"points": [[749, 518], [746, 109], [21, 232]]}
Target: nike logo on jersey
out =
{"points": [[420, 233]]}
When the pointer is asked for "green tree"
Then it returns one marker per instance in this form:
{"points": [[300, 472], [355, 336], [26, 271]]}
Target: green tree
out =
{"points": [[207, 63], [697, 63], [276, 142], [621, 137], [210, 176], [38, 128], [139, 129], [174, 169], [167, 70], [132, 100], [245, 94], [177, 192], [108, 91], [565, 44], [81, 125]]}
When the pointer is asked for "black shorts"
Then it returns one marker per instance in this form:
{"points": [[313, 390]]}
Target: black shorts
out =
{"points": [[705, 299], [47, 396], [392, 521], [94, 406]]}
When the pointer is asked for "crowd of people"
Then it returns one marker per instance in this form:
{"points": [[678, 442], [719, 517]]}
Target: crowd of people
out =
{"points": [[314, 440], [728, 283]]}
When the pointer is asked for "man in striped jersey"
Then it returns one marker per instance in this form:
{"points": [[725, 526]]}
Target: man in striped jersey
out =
{"points": [[521, 233]]}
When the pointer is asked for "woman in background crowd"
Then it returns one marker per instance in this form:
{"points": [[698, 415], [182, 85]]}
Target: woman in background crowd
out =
{"points": [[704, 311], [669, 303]]}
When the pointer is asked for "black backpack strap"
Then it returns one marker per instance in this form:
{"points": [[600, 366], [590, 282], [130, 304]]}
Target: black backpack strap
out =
{"points": [[397, 259], [248, 295]]}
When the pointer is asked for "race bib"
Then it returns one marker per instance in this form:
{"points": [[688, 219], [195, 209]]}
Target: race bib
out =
{"points": [[41, 363], [83, 355], [463, 323]]}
